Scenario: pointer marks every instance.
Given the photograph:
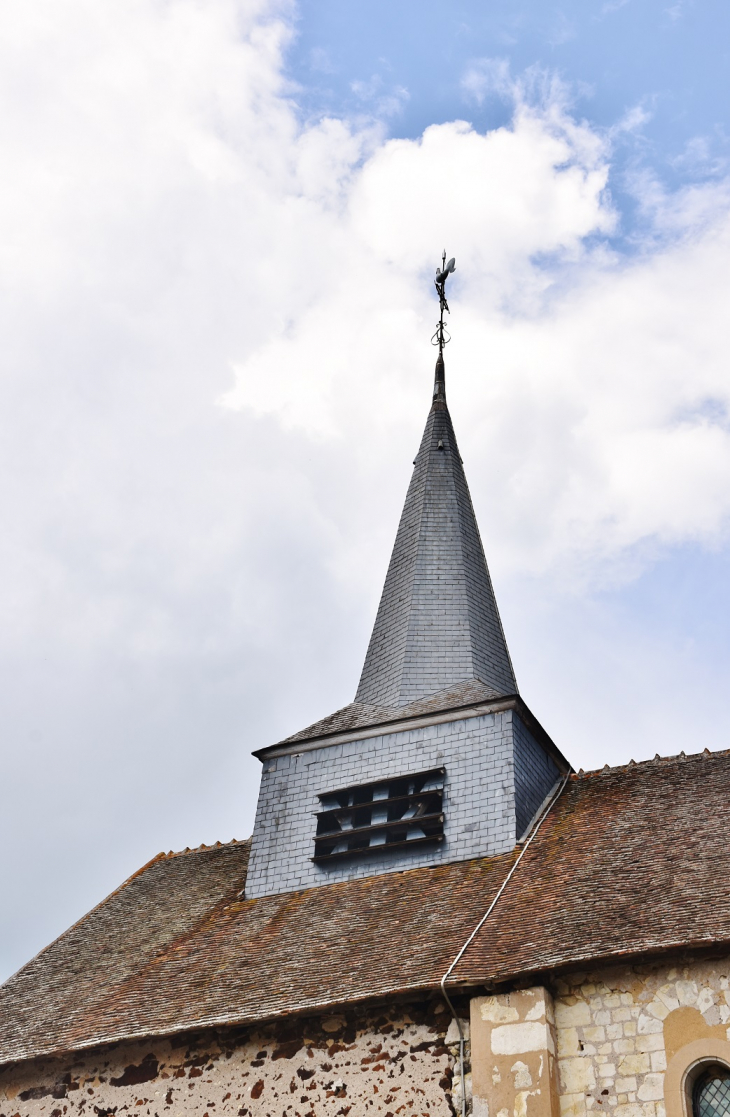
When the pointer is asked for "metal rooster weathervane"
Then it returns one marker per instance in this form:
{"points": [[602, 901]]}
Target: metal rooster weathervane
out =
{"points": [[442, 337]]}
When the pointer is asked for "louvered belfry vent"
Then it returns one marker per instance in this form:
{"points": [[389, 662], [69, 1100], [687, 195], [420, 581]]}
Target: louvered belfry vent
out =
{"points": [[374, 817]]}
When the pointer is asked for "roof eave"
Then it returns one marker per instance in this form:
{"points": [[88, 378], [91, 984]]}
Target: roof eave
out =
{"points": [[399, 724], [493, 982]]}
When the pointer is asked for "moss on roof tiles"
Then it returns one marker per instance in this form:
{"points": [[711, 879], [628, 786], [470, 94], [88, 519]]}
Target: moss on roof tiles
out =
{"points": [[631, 861]]}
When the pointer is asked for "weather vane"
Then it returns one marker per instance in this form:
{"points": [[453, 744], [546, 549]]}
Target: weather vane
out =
{"points": [[442, 337]]}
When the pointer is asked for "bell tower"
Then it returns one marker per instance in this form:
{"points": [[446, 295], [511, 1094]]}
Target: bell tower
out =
{"points": [[438, 758]]}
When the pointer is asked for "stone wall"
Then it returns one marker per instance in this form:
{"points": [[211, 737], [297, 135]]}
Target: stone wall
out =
{"points": [[618, 1030], [513, 1052], [383, 1064], [617, 1040], [620, 1040]]}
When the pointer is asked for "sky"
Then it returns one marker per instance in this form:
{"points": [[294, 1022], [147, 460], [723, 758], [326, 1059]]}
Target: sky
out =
{"points": [[219, 225]]}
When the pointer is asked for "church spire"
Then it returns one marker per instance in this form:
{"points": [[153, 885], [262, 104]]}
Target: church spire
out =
{"points": [[438, 759], [439, 383], [437, 625]]}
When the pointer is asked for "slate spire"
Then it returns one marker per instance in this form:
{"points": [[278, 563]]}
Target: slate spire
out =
{"points": [[437, 625]]}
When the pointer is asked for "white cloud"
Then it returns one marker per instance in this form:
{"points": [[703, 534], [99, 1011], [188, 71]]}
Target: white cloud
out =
{"points": [[382, 101], [605, 361], [487, 76], [184, 579], [631, 122]]}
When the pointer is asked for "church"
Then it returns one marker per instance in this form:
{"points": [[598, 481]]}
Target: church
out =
{"points": [[434, 916]]}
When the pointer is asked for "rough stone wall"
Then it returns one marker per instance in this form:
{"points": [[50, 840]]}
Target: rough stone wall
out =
{"points": [[618, 1029], [614, 1032], [479, 804], [624, 1039], [385, 1064]]}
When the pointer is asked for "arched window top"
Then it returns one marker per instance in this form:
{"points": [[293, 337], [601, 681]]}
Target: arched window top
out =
{"points": [[711, 1093]]}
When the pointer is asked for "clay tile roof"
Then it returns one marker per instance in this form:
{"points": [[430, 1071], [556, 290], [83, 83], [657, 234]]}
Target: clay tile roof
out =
{"points": [[631, 861]]}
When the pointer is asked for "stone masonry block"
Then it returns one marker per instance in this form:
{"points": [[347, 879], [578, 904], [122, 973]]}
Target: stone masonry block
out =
{"points": [[513, 1054]]}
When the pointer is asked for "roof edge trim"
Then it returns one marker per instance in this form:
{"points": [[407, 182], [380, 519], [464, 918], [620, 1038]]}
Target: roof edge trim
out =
{"points": [[418, 721], [580, 961]]}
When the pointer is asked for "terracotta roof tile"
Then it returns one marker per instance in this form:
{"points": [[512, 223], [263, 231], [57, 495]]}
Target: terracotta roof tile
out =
{"points": [[630, 861]]}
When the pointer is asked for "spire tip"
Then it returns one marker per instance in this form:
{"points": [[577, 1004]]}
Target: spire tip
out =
{"points": [[441, 337]]}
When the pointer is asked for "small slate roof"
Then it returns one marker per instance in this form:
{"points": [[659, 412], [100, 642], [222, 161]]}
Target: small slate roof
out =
{"points": [[630, 862], [437, 625], [360, 715]]}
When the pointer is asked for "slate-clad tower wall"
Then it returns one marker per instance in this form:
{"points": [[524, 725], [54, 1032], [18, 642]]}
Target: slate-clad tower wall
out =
{"points": [[496, 775], [437, 691]]}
